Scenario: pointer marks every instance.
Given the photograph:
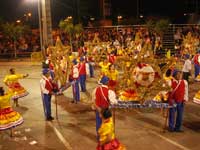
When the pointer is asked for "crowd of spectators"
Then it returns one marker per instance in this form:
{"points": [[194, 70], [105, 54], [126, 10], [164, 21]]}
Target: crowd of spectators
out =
{"points": [[186, 39], [27, 43], [136, 36]]}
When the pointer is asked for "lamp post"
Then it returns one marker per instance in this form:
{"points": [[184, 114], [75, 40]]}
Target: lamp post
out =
{"points": [[45, 24], [40, 27]]}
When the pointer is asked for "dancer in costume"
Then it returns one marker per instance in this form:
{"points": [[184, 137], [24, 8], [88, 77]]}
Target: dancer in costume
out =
{"points": [[47, 89], [102, 98], [178, 96], [14, 86], [82, 74], [113, 75], [104, 66], [74, 76], [8, 117], [196, 60], [107, 140]]}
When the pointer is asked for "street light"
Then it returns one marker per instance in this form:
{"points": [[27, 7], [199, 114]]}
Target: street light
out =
{"points": [[39, 18], [92, 18], [45, 25], [119, 17], [29, 14], [18, 21]]}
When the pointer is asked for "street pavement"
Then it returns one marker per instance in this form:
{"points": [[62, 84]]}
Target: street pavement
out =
{"points": [[75, 127]]}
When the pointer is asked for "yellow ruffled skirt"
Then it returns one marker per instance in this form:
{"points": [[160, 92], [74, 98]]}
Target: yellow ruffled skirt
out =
{"points": [[17, 90], [9, 118]]}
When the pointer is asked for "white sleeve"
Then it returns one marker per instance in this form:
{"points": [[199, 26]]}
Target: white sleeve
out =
{"points": [[189, 65], [87, 69], [42, 86], [186, 91], [198, 59], [94, 95], [75, 72], [112, 97]]}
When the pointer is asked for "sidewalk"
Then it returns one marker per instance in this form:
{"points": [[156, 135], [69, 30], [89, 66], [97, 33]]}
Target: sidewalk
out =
{"points": [[18, 62]]}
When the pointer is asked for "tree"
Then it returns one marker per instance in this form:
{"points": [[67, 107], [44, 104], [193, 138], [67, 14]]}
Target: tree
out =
{"points": [[14, 32], [68, 27], [158, 26], [161, 26]]}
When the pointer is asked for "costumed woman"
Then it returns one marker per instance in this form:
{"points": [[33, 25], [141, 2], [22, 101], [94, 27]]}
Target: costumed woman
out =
{"points": [[107, 140], [14, 86], [104, 66], [8, 117], [112, 75]]}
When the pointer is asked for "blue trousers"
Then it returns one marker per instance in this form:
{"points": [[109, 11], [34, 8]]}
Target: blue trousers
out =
{"points": [[91, 68], [82, 79], [76, 92], [47, 105], [52, 74], [175, 123], [98, 123], [196, 70]]}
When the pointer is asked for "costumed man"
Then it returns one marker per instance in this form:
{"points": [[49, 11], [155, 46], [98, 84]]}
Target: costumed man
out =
{"points": [[8, 117], [187, 67], [107, 139], [47, 88], [74, 77], [178, 96], [102, 98], [14, 86], [82, 74], [91, 64], [49, 65], [196, 61]]}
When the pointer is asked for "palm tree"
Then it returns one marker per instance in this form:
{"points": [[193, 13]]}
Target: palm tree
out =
{"points": [[14, 32], [68, 27]]}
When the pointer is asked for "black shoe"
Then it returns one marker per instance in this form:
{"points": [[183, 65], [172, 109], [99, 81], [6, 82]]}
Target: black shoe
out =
{"points": [[178, 130], [170, 130], [50, 118]]}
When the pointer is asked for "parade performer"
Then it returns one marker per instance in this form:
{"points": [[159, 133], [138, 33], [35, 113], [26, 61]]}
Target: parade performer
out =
{"points": [[104, 66], [107, 140], [74, 77], [91, 63], [178, 96], [162, 96], [112, 57], [47, 88], [102, 98], [187, 67], [14, 86], [8, 117], [196, 61], [82, 74], [112, 75]]}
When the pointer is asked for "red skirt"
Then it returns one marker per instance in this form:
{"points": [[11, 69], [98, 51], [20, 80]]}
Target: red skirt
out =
{"points": [[112, 145]]}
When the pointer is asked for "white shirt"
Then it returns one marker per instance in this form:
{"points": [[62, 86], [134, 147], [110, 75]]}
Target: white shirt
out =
{"points": [[75, 72], [42, 85], [186, 91], [187, 66]]}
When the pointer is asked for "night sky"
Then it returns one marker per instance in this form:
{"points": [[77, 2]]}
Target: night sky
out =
{"points": [[12, 10]]}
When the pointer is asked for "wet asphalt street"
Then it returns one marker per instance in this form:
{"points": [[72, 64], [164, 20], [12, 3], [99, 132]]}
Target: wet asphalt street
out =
{"points": [[75, 127]]}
